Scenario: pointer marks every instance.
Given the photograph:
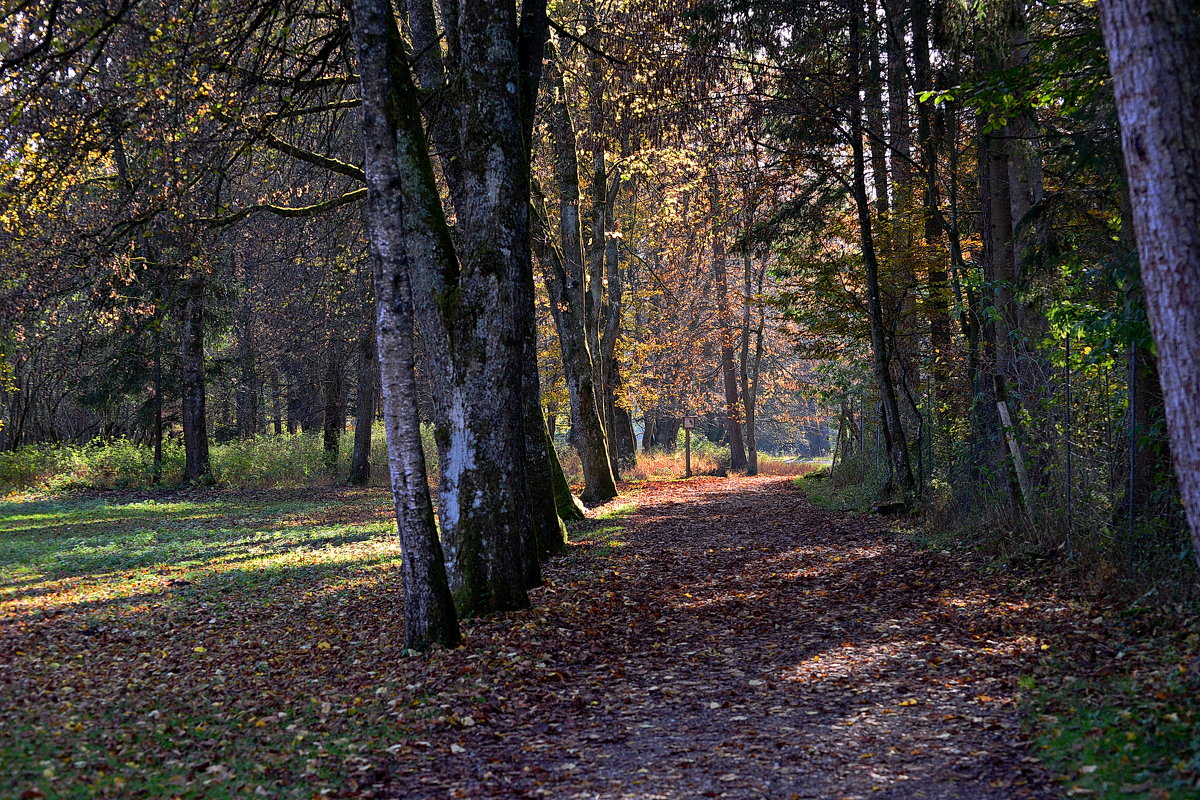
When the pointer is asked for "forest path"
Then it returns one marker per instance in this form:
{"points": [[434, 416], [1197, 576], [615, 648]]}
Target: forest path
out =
{"points": [[731, 640]]}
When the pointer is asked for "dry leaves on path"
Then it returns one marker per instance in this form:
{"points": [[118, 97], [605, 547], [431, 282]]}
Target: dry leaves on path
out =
{"points": [[733, 641], [704, 638]]}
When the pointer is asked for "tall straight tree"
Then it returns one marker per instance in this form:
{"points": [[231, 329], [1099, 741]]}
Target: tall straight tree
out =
{"points": [[470, 294], [1154, 55], [191, 379], [566, 282], [733, 408]]}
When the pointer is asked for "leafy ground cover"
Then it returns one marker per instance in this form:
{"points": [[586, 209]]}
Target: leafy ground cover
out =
{"points": [[1114, 705], [705, 638]]}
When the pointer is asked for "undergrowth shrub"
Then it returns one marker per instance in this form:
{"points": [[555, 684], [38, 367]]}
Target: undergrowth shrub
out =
{"points": [[773, 465], [660, 465], [572, 467], [116, 464], [265, 461]]}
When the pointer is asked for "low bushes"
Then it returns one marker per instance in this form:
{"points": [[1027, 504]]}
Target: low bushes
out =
{"points": [[265, 461]]}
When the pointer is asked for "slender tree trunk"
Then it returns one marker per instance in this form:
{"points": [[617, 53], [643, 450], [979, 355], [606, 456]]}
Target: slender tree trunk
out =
{"points": [[550, 535], [622, 445], [191, 378], [1154, 55], [569, 506], [334, 417], [276, 403], [875, 118], [752, 290], [899, 114], [894, 437], [733, 408], [939, 288], [566, 283], [158, 401], [364, 411], [388, 115]]}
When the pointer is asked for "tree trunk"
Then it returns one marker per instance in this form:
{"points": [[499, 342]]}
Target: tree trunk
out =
{"points": [[939, 288], [158, 401], [334, 416], [549, 533], [875, 118], [388, 115], [1154, 53], [569, 506], [468, 300], [733, 408], [894, 436], [364, 408], [249, 387], [566, 284], [191, 379]]}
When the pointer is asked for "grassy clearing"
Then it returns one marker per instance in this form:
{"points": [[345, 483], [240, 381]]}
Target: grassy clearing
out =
{"points": [[194, 645], [210, 644]]}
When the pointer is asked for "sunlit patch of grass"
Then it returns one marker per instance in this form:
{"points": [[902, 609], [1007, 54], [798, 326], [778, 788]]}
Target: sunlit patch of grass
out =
{"points": [[616, 510], [196, 648], [91, 553], [822, 491]]}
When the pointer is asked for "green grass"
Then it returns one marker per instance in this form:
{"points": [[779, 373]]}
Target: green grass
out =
{"points": [[617, 510], [197, 646], [1133, 735], [823, 491]]}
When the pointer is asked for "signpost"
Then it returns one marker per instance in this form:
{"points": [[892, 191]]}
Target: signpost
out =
{"points": [[688, 424]]}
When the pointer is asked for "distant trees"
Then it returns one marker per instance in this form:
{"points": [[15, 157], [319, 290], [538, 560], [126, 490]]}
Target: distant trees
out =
{"points": [[258, 217]]}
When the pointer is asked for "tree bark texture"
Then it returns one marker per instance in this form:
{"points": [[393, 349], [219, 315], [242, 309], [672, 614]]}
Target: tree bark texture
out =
{"points": [[1154, 55], [191, 378], [733, 408], [364, 407], [389, 143]]}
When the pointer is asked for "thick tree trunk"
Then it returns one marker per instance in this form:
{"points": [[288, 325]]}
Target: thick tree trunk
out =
{"points": [[467, 288], [364, 408], [191, 380], [1154, 53], [666, 433], [389, 114]]}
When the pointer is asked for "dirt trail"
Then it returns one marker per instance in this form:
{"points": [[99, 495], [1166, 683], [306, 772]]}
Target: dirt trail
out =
{"points": [[734, 641]]}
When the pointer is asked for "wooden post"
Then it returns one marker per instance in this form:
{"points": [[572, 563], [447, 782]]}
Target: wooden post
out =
{"points": [[688, 424], [1014, 448], [687, 453]]}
